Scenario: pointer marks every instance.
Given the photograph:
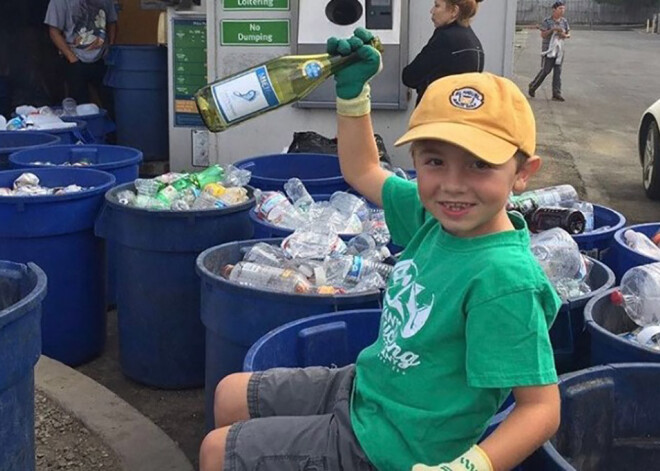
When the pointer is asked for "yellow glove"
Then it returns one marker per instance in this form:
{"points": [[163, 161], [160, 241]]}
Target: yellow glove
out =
{"points": [[475, 459]]}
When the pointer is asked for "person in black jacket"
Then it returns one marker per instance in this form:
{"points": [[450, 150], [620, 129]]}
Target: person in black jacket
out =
{"points": [[453, 48]]}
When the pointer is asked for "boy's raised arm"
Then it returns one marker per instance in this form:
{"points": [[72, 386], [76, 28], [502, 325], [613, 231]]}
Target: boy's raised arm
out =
{"points": [[358, 154]]}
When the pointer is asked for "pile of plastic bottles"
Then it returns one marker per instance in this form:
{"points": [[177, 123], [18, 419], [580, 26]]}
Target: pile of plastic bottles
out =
{"points": [[566, 268], [314, 262], [344, 213], [643, 244], [28, 117], [28, 184], [212, 188], [555, 206], [639, 294], [80, 163]]}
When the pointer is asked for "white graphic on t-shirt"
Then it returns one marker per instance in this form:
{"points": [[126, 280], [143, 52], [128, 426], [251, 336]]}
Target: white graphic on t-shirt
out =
{"points": [[406, 310], [90, 25]]}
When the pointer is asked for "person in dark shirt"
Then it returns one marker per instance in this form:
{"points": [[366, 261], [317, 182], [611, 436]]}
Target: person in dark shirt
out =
{"points": [[453, 48]]}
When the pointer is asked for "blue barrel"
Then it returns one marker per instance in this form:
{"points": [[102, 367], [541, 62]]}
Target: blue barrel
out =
{"points": [[625, 257], [79, 134], [98, 124], [599, 245], [605, 323], [161, 336], [570, 343], [138, 77], [610, 420], [122, 162], [13, 141], [22, 288], [56, 232], [237, 316], [319, 172], [328, 340]]}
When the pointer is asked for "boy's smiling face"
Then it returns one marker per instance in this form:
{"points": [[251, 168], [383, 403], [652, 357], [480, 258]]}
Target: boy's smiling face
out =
{"points": [[465, 194]]}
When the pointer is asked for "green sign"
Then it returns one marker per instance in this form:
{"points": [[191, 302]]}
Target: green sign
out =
{"points": [[256, 5], [189, 69], [255, 33]]}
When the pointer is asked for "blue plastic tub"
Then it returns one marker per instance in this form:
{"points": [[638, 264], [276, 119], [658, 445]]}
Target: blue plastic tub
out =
{"points": [[605, 322], [122, 162], [625, 257], [138, 77], [22, 288], [237, 316], [599, 245], [161, 336], [56, 232], [327, 340], [610, 420], [568, 336], [319, 172], [74, 135], [98, 124], [13, 141]]}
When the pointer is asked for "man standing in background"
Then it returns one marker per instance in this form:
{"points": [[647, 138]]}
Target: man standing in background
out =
{"points": [[554, 30], [83, 30]]}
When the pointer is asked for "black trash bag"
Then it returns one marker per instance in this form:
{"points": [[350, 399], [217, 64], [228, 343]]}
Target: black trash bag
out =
{"points": [[314, 143]]}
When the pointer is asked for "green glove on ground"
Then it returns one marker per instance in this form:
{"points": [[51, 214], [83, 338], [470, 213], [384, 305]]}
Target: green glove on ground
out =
{"points": [[352, 81]]}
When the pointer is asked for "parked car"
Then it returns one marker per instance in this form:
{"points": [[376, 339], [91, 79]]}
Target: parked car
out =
{"points": [[649, 150]]}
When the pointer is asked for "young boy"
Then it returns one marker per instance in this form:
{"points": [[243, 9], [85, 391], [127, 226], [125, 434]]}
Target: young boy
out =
{"points": [[466, 313]]}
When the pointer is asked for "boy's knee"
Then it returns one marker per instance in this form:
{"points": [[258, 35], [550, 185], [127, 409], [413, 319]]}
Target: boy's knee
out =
{"points": [[212, 450], [230, 399]]}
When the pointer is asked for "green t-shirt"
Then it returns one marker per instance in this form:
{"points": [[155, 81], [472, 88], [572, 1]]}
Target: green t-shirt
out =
{"points": [[464, 321]]}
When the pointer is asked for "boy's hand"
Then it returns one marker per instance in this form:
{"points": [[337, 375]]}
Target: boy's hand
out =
{"points": [[475, 459], [351, 81]]}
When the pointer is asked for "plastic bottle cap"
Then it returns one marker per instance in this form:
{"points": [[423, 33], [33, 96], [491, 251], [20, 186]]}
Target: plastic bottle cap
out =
{"points": [[656, 238], [616, 298]]}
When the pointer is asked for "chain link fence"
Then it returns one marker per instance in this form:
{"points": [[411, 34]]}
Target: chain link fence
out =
{"points": [[585, 12]]}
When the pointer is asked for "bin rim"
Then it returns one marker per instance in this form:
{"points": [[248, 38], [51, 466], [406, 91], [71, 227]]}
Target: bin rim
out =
{"points": [[249, 162], [592, 325], [30, 300], [582, 300], [217, 280], [618, 238], [80, 124], [22, 200], [136, 159], [584, 237], [164, 213], [249, 356], [8, 150]]}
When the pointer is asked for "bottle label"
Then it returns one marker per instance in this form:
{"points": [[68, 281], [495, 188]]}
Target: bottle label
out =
{"points": [[246, 94], [272, 201], [356, 269], [312, 69]]}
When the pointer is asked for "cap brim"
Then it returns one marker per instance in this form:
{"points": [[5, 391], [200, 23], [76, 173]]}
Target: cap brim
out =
{"points": [[484, 145]]}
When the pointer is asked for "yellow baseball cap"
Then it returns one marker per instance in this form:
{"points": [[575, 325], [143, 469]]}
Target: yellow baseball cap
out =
{"points": [[483, 113]]}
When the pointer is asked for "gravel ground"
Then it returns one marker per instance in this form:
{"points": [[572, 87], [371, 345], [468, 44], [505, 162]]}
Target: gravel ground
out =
{"points": [[64, 443]]}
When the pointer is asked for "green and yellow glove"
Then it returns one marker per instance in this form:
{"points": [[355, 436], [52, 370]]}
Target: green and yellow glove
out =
{"points": [[352, 82], [475, 459]]}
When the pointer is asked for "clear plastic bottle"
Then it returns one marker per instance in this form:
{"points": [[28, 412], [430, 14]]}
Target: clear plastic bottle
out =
{"points": [[352, 268], [313, 244], [265, 254], [640, 242], [360, 243], [235, 176], [348, 204], [544, 197], [639, 294], [275, 208], [207, 201], [265, 277], [69, 106], [298, 194], [126, 197], [147, 186], [377, 227]]}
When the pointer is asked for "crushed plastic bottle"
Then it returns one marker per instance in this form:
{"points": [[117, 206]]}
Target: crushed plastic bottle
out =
{"points": [[642, 244], [235, 176], [547, 197], [349, 204], [266, 277], [263, 253], [147, 186], [639, 294], [298, 194], [274, 207], [561, 260], [348, 269], [313, 244], [377, 227]]}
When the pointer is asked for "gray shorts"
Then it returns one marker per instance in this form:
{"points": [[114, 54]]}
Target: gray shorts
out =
{"points": [[299, 421]]}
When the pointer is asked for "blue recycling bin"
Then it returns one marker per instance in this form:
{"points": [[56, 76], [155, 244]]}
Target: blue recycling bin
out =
{"points": [[236, 316], [624, 257], [137, 75], [610, 420], [98, 124], [333, 339], [122, 162], [13, 141], [319, 172], [161, 336], [599, 245], [56, 232], [22, 289], [606, 322], [570, 343], [78, 134]]}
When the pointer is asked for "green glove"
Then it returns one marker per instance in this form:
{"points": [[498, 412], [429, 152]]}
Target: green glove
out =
{"points": [[352, 81]]}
